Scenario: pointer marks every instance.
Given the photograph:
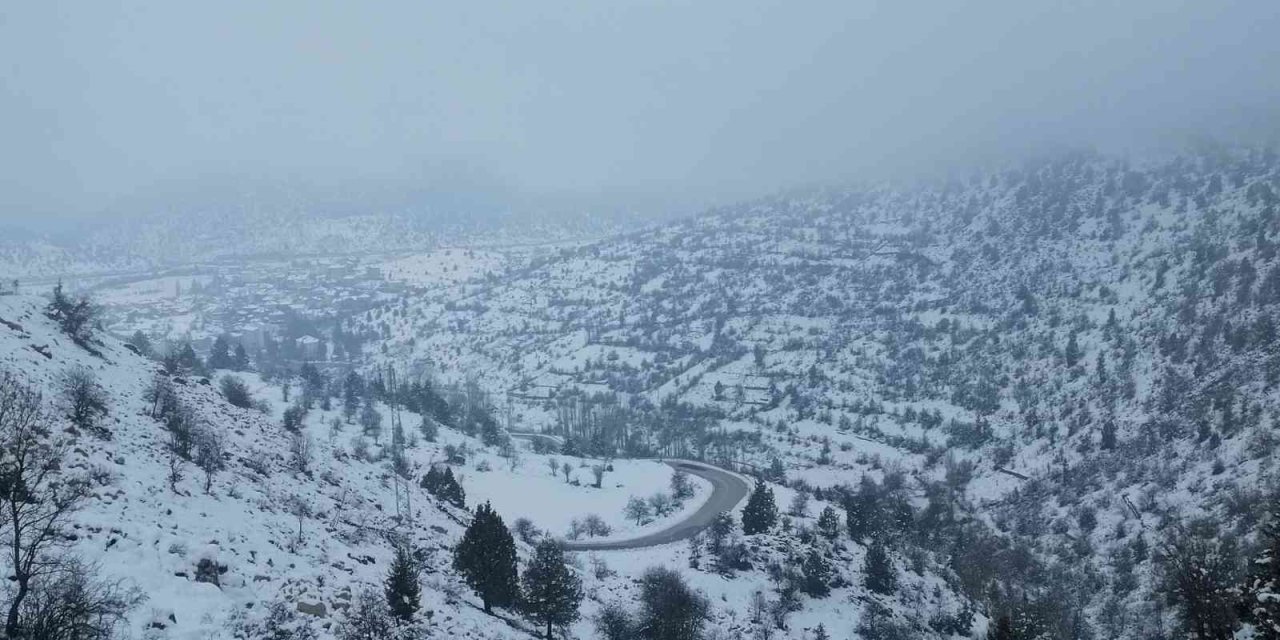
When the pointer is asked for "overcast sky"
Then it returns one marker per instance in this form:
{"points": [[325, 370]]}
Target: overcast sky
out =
{"points": [[102, 101]]}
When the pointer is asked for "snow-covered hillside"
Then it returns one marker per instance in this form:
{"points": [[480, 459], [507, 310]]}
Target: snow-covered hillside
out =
{"points": [[310, 531], [1081, 348]]}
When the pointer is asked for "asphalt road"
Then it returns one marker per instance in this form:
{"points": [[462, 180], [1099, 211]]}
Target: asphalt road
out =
{"points": [[727, 490]]}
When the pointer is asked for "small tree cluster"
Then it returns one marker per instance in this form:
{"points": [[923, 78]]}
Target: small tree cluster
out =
{"points": [[52, 594], [443, 485], [669, 610], [75, 316], [236, 392]]}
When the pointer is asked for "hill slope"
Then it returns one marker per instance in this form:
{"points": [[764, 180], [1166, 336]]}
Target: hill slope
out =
{"points": [[1084, 347]]}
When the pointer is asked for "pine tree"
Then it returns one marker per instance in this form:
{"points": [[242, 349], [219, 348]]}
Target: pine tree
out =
{"points": [[879, 574], [1073, 351], [829, 523], [761, 513], [402, 587], [352, 390], [486, 558], [220, 354], [817, 574], [1001, 629], [1108, 435], [552, 592], [861, 514], [451, 490], [821, 633], [240, 362]]}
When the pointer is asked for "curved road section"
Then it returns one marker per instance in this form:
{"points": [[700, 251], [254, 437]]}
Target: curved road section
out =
{"points": [[727, 490]]}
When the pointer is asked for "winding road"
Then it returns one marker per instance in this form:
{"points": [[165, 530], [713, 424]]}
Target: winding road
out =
{"points": [[727, 490]]}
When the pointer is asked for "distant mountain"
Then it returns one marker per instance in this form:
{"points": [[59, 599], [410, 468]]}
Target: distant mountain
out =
{"points": [[280, 222]]}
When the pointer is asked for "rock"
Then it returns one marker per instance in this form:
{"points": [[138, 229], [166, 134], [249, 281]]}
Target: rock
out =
{"points": [[315, 609]]}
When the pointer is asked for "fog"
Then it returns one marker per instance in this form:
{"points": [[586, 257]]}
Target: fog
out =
{"points": [[104, 103]]}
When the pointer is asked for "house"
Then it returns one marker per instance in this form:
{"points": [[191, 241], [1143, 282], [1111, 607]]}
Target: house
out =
{"points": [[311, 348]]}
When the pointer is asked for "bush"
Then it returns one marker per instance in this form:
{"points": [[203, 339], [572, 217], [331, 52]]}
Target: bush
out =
{"points": [[293, 417], [72, 603], [526, 531], [281, 622], [76, 317], [84, 399], [236, 392], [368, 619]]}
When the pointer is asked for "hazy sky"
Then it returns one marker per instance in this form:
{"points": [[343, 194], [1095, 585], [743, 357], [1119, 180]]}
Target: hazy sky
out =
{"points": [[103, 100]]}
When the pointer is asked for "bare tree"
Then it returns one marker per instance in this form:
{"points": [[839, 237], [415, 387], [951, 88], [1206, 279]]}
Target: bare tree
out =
{"points": [[300, 510], [72, 604], [37, 497], [160, 395], [175, 463], [84, 400], [210, 446], [567, 471], [597, 471], [301, 452]]}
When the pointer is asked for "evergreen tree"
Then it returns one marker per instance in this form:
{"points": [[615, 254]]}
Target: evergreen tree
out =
{"points": [[402, 587], [861, 515], [443, 485], [776, 472], [1072, 353], [879, 574], [761, 513], [821, 633], [817, 575], [352, 391], [220, 354], [431, 481], [552, 592], [451, 490], [486, 558], [1108, 435], [1001, 629], [829, 523], [240, 361]]}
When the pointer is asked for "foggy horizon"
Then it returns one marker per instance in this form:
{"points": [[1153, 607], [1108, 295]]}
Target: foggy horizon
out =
{"points": [[110, 109]]}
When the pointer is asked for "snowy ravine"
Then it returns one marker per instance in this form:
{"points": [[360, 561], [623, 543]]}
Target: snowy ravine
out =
{"points": [[137, 529]]}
